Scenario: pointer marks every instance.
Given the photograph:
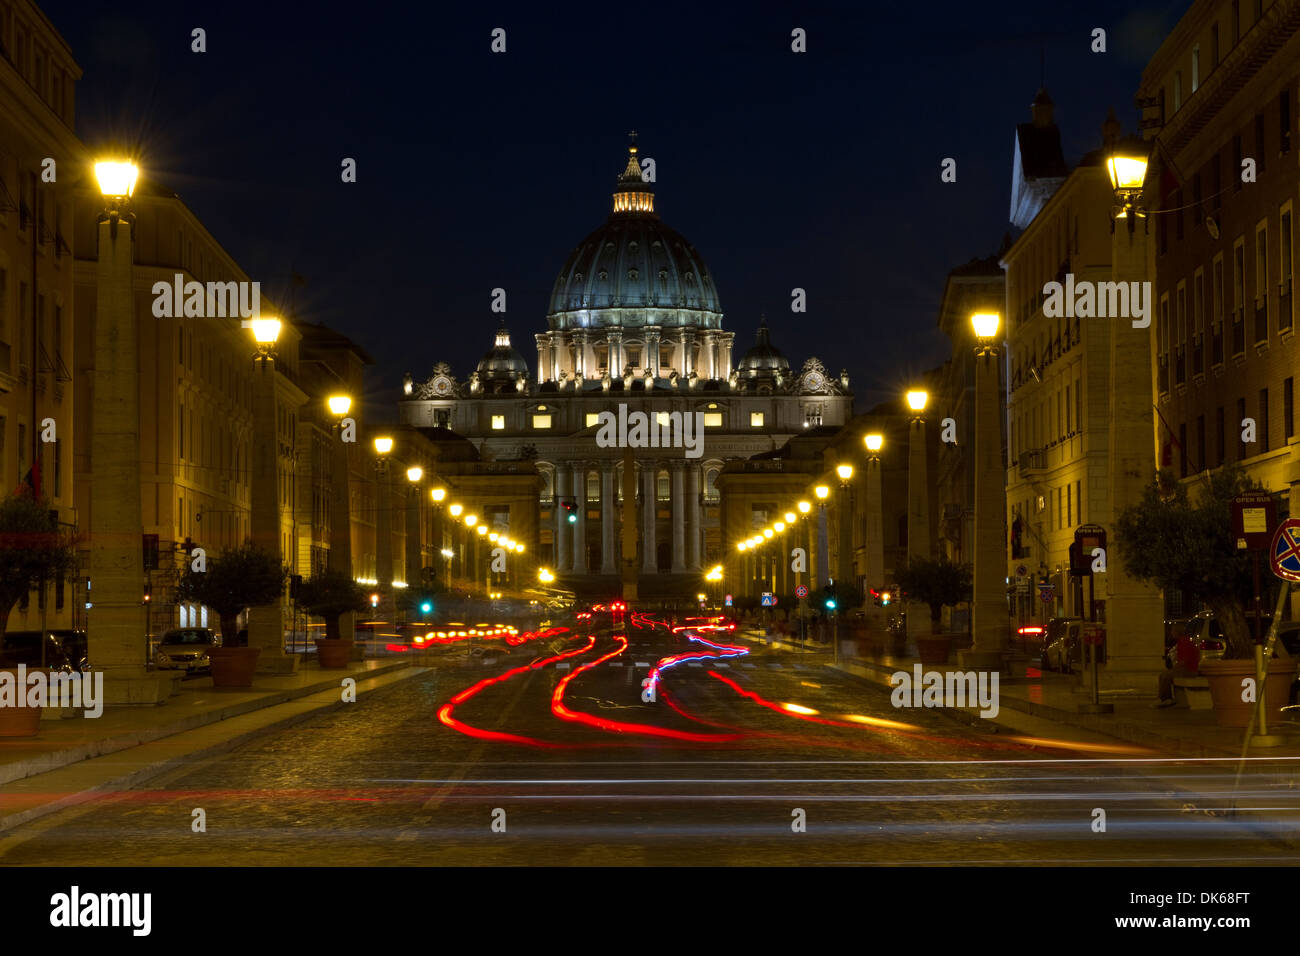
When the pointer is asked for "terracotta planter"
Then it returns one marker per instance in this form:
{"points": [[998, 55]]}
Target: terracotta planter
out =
{"points": [[234, 666], [1225, 679], [331, 652], [19, 721], [933, 649]]}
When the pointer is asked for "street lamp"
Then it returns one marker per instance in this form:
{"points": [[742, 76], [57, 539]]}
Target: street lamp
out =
{"points": [[383, 446], [918, 493], [266, 330], [338, 405], [844, 568], [545, 576], [414, 473], [874, 443], [874, 546], [988, 599], [455, 510]]}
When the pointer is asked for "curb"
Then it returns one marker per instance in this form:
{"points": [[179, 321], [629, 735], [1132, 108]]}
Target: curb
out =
{"points": [[20, 817], [57, 759]]}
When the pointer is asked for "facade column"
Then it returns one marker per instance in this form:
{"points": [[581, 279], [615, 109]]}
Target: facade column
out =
{"points": [[608, 519], [874, 572], [679, 518], [649, 511], [725, 371], [563, 534], [651, 360], [686, 347], [989, 619], [694, 526], [543, 356], [559, 354], [384, 540], [710, 355], [614, 353], [580, 529]]}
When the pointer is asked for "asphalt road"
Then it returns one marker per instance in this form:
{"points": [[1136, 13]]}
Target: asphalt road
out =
{"points": [[545, 753]]}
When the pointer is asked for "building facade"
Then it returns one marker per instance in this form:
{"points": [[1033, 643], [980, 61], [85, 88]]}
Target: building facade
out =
{"points": [[634, 326]]}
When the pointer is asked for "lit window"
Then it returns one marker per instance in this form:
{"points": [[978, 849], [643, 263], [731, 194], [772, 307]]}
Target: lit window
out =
{"points": [[662, 418], [541, 421], [713, 419], [498, 422], [593, 418], [756, 419]]}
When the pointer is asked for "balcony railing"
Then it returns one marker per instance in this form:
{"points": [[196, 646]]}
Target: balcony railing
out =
{"points": [[1261, 322], [1030, 461], [1238, 333], [1216, 345]]}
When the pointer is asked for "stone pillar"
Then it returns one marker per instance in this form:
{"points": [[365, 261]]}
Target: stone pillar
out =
{"points": [[874, 573], [725, 371], [679, 518], [844, 526], [687, 350], [580, 529], [989, 618], [414, 544], [340, 556], [918, 518], [1134, 611], [563, 533], [559, 354], [387, 609], [823, 554], [608, 519], [694, 526], [652, 351], [266, 623], [614, 353], [116, 629], [649, 509], [543, 357]]}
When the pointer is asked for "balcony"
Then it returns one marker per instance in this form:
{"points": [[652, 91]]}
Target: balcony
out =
{"points": [[1261, 321], [1031, 462]]}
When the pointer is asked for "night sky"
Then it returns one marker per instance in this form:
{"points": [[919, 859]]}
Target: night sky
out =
{"points": [[477, 170]]}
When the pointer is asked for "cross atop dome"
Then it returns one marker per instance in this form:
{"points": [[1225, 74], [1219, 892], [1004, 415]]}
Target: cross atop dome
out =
{"points": [[633, 193]]}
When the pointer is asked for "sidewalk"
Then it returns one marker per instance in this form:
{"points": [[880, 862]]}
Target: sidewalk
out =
{"points": [[1045, 704], [71, 758]]}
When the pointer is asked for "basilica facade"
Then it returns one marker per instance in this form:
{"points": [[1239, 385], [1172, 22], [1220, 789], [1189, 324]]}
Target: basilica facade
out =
{"points": [[635, 320]]}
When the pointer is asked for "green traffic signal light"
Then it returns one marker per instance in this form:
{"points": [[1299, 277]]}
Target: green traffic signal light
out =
{"points": [[426, 607], [830, 603], [573, 519]]}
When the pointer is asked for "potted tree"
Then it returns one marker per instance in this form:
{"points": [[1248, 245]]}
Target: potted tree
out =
{"points": [[331, 594], [32, 551], [239, 578], [936, 583], [1174, 541]]}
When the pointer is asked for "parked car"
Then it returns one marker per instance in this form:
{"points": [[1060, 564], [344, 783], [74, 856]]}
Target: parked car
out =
{"points": [[64, 649], [1062, 643], [186, 648]]}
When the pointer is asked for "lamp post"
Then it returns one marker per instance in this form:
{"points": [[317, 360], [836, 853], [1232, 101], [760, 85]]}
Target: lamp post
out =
{"points": [[414, 575], [457, 560], [438, 495], [384, 529], [1133, 611], [918, 494], [874, 572], [266, 623], [116, 622], [989, 619], [844, 564], [340, 553]]}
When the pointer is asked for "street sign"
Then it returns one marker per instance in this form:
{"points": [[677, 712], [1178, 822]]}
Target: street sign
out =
{"points": [[727, 600], [1089, 536], [1047, 592], [1253, 516], [768, 599], [1284, 553], [1021, 571], [801, 591], [1094, 635]]}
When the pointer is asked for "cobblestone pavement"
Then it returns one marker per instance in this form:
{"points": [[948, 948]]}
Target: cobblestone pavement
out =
{"points": [[386, 782]]}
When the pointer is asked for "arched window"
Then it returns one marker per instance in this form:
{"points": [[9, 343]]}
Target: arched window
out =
{"points": [[710, 490], [593, 486], [663, 490]]}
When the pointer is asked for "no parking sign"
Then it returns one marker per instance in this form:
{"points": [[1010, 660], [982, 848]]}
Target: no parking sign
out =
{"points": [[1284, 552]]}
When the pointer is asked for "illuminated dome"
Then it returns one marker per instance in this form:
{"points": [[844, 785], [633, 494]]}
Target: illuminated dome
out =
{"points": [[634, 271], [503, 361], [763, 360]]}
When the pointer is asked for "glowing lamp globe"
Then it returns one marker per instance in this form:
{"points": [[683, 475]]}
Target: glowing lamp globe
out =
{"points": [[116, 178], [339, 404], [916, 399], [986, 324], [383, 445], [874, 442]]}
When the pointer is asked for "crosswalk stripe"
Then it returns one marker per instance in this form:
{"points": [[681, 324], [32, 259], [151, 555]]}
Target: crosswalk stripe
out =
{"points": [[562, 666]]}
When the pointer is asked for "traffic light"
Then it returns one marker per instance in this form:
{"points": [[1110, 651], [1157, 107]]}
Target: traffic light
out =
{"points": [[426, 605], [570, 510], [831, 601]]}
